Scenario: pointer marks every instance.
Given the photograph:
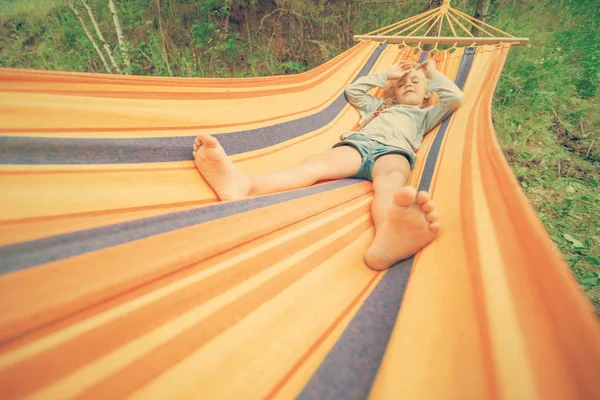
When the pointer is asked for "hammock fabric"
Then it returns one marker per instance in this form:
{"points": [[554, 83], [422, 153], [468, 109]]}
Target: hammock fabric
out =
{"points": [[123, 276]]}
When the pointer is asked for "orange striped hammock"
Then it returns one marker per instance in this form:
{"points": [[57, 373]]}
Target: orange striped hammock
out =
{"points": [[123, 276]]}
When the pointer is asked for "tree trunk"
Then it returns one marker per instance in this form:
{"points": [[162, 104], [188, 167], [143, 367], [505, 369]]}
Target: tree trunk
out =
{"points": [[100, 36], [120, 37], [294, 27], [295, 34], [89, 35], [481, 12], [430, 4], [431, 26]]}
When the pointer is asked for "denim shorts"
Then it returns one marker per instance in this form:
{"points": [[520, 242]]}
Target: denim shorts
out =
{"points": [[370, 150]]}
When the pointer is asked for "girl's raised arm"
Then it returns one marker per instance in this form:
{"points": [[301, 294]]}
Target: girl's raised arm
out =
{"points": [[357, 92], [450, 95]]}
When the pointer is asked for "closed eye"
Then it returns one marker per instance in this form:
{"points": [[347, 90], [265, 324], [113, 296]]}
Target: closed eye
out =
{"points": [[402, 84]]}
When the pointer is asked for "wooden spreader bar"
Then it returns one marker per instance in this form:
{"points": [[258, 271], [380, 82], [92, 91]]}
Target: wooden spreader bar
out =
{"points": [[514, 41]]}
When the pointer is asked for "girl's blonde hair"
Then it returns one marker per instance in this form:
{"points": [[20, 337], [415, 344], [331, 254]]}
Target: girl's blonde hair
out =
{"points": [[389, 98]]}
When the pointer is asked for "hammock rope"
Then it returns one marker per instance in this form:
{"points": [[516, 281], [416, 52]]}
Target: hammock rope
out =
{"points": [[418, 31]]}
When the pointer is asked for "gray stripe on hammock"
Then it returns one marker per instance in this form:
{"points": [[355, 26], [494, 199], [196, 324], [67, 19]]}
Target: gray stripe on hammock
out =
{"points": [[35, 150], [18, 256], [349, 370]]}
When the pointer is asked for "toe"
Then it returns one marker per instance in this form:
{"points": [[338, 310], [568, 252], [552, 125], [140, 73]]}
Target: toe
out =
{"points": [[195, 147], [432, 216], [428, 207], [422, 198], [208, 140], [194, 154], [405, 196], [434, 227]]}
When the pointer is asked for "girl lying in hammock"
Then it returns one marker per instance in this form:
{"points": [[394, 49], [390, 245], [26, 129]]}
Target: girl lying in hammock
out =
{"points": [[382, 151]]}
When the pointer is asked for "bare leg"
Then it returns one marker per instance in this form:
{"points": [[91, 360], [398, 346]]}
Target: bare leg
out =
{"points": [[404, 221], [229, 183], [338, 163]]}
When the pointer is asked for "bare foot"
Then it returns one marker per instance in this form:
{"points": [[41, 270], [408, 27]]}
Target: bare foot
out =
{"points": [[411, 224], [228, 182]]}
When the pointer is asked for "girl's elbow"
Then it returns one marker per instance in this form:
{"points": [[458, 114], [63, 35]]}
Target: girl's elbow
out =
{"points": [[352, 97], [350, 93], [457, 100]]}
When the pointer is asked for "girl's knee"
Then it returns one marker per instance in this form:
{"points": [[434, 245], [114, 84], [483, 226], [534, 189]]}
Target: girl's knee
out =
{"points": [[316, 164], [314, 159], [392, 177], [334, 164]]}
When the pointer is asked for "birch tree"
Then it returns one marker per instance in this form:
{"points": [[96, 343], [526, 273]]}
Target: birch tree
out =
{"points": [[89, 35], [101, 36], [120, 36]]}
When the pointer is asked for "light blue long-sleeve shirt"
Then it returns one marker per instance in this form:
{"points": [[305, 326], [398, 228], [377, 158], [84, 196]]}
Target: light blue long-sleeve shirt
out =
{"points": [[401, 125]]}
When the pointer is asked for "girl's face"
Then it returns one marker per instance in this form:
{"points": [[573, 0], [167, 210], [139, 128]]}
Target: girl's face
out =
{"points": [[412, 89]]}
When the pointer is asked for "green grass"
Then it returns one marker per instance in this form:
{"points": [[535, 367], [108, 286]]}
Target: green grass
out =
{"points": [[27, 7], [545, 114]]}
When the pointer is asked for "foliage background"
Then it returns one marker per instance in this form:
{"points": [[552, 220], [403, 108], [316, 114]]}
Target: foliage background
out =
{"points": [[544, 110]]}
